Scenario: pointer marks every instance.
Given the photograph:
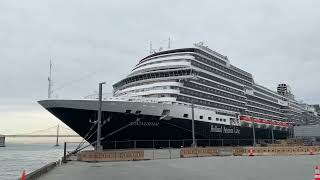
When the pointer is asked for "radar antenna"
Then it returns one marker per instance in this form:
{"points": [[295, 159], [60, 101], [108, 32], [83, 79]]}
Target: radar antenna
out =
{"points": [[50, 82]]}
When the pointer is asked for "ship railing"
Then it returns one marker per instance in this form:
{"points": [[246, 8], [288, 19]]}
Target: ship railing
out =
{"points": [[107, 97]]}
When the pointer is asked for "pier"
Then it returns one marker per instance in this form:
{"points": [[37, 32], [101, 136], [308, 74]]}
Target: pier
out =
{"points": [[274, 161], [204, 168], [2, 141]]}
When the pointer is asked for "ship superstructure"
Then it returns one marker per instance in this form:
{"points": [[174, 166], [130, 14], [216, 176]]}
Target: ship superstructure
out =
{"points": [[163, 86]]}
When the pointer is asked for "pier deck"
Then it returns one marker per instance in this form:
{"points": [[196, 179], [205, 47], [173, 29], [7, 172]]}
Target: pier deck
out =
{"points": [[205, 168]]}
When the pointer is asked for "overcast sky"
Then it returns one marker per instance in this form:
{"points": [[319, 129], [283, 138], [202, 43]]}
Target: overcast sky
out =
{"points": [[98, 40]]}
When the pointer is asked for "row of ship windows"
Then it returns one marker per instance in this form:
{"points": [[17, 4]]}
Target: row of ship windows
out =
{"points": [[211, 57], [155, 75], [262, 101], [223, 68], [159, 62], [207, 103], [215, 71], [209, 83], [207, 96], [213, 78], [264, 112], [263, 116], [211, 90], [263, 106], [148, 89], [266, 92], [265, 97], [209, 118]]}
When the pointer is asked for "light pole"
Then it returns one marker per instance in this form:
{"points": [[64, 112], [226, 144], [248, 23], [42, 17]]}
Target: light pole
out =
{"points": [[194, 144], [98, 146], [272, 135], [253, 132]]}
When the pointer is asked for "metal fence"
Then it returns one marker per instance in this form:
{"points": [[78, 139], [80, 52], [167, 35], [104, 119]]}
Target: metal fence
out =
{"points": [[162, 144]]}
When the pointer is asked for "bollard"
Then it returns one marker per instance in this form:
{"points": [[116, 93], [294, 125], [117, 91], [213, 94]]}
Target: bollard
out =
{"points": [[65, 153]]}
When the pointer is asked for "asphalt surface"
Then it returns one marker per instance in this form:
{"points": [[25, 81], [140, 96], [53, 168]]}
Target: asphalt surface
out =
{"points": [[205, 168]]}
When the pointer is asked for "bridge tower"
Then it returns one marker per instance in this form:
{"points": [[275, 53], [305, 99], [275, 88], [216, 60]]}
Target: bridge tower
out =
{"points": [[57, 140], [2, 141]]}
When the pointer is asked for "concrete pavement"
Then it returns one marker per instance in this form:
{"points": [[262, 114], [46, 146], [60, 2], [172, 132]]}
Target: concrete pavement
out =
{"points": [[205, 168]]}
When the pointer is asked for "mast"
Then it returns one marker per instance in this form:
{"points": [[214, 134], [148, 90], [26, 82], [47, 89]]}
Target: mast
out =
{"points": [[50, 81], [150, 48], [57, 140]]}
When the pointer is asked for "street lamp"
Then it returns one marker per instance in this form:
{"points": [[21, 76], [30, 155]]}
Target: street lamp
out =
{"points": [[194, 144], [253, 132], [272, 136], [98, 146]]}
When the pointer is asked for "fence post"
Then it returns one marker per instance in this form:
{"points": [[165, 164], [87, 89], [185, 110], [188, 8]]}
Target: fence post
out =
{"points": [[65, 152], [182, 142], [135, 145], [169, 143], [222, 142], [152, 144]]}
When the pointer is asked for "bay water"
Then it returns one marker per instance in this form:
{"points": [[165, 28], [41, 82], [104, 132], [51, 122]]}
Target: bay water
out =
{"points": [[16, 157]]}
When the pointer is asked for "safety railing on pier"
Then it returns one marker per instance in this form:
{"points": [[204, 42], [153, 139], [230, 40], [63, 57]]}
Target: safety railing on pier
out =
{"points": [[163, 144]]}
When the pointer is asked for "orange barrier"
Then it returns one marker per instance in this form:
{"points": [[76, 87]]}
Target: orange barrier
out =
{"points": [[289, 150], [250, 151], [199, 152], [121, 155], [317, 173]]}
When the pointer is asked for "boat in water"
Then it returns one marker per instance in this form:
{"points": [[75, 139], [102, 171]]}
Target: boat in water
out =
{"points": [[166, 90]]}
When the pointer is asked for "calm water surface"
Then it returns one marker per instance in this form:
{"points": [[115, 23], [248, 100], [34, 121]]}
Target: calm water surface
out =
{"points": [[14, 158]]}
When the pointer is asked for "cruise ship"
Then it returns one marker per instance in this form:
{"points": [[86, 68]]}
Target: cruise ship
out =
{"points": [[168, 89]]}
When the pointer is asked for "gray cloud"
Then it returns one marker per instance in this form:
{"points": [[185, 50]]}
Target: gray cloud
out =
{"points": [[93, 41]]}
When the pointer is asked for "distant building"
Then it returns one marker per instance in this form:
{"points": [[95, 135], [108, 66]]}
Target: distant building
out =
{"points": [[2, 140], [317, 108], [307, 131]]}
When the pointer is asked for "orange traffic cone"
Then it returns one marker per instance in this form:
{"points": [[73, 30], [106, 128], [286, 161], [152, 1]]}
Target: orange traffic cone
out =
{"points": [[23, 176], [311, 151], [251, 152], [317, 173]]}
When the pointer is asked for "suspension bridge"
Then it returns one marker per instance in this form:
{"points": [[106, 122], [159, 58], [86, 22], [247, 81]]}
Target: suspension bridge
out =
{"points": [[54, 131]]}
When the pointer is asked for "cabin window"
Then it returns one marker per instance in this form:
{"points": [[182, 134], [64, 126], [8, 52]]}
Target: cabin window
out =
{"points": [[217, 119], [201, 117], [128, 111], [185, 115], [209, 118]]}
